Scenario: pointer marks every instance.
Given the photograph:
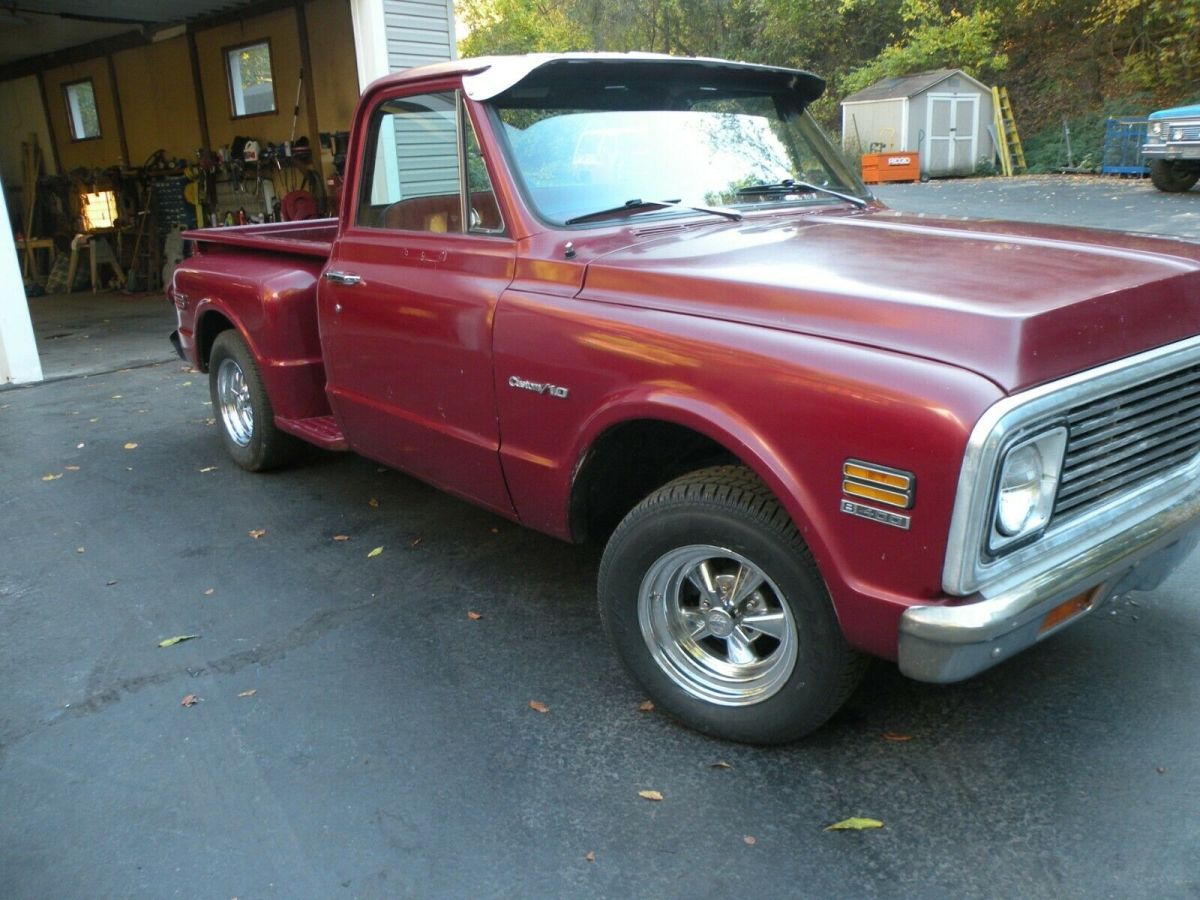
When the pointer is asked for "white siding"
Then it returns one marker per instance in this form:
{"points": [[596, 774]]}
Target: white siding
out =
{"points": [[418, 32]]}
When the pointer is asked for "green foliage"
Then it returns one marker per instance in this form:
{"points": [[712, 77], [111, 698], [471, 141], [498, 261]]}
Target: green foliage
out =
{"points": [[1073, 57], [934, 39]]}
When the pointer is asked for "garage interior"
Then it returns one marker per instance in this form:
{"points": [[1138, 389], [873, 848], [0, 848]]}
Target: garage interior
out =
{"points": [[123, 124]]}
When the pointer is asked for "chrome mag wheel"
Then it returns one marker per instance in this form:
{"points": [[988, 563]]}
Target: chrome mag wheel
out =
{"points": [[717, 625], [233, 399]]}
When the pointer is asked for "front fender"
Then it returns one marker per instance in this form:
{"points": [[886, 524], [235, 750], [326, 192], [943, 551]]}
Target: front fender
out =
{"points": [[791, 407]]}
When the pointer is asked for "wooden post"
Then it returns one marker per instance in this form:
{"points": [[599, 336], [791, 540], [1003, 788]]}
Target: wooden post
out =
{"points": [[310, 95], [116, 98], [41, 80], [198, 87]]}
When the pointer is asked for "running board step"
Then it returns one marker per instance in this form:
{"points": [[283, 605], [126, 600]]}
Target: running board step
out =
{"points": [[320, 430]]}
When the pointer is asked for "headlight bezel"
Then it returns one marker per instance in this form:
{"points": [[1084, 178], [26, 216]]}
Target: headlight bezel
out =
{"points": [[1048, 445]]}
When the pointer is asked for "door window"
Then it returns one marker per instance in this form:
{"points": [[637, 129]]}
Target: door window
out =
{"points": [[411, 177]]}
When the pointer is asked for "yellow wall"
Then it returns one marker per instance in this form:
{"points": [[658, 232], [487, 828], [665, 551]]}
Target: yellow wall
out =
{"points": [[21, 102], [158, 101], [158, 98], [98, 153], [335, 74], [280, 28]]}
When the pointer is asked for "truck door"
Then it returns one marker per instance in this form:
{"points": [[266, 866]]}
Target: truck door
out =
{"points": [[407, 301]]}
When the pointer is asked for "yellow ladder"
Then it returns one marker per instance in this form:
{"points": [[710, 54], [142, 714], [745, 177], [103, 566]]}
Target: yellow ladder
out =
{"points": [[1012, 156]]}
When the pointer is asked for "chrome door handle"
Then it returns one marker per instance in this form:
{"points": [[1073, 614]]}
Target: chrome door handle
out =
{"points": [[347, 278]]}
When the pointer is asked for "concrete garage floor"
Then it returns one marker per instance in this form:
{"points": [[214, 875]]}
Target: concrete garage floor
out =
{"points": [[388, 748], [82, 333]]}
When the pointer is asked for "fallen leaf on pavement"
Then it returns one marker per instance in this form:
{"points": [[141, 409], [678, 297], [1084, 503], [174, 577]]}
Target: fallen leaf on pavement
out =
{"points": [[80, 550], [375, 552], [189, 700], [750, 840], [209, 592], [52, 477], [341, 537], [179, 638], [249, 693], [415, 542], [116, 396], [1161, 770], [721, 765], [590, 856], [896, 736], [71, 468], [110, 583], [79, 446], [650, 795], [646, 706], [855, 824], [256, 533], [373, 502], [538, 706], [130, 445], [209, 469], [474, 616]]}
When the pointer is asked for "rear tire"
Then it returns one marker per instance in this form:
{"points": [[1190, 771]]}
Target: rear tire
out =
{"points": [[1172, 176], [243, 409], [717, 609]]}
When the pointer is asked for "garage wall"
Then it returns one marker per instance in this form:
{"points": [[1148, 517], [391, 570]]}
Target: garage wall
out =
{"points": [[21, 103], [335, 72], [97, 153], [157, 100]]}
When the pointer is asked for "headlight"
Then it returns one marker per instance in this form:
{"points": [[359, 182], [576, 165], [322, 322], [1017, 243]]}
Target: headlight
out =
{"points": [[1178, 135], [1026, 488], [1157, 129]]}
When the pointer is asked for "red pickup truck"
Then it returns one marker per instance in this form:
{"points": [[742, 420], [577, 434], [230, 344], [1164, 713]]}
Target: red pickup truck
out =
{"points": [[643, 300]]}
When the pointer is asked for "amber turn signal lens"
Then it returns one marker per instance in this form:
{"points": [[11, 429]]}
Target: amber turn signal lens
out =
{"points": [[1069, 610]]}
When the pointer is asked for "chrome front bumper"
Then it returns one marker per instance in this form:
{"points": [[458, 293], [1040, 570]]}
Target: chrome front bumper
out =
{"points": [[950, 643]]}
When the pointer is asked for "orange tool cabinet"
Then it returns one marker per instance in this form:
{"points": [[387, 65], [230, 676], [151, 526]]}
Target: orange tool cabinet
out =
{"points": [[899, 166]]}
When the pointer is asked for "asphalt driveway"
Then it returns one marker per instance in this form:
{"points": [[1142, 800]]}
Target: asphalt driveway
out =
{"points": [[356, 733]]}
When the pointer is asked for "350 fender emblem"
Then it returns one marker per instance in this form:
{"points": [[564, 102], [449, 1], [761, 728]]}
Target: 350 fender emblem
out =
{"points": [[538, 387]]}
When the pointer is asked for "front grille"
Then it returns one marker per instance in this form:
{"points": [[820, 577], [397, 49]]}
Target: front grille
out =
{"points": [[1190, 133], [1118, 442]]}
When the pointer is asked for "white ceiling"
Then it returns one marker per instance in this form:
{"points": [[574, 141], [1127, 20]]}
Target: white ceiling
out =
{"points": [[33, 27]]}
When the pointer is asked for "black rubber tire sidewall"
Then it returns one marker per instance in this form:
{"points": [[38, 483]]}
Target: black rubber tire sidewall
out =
{"points": [[826, 667], [1172, 177], [268, 447]]}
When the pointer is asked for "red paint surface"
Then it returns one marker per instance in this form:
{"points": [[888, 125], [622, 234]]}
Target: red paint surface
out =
{"points": [[795, 339]]}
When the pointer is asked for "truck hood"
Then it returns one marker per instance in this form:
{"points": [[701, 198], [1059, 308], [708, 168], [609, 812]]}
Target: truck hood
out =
{"points": [[1017, 303], [1178, 112]]}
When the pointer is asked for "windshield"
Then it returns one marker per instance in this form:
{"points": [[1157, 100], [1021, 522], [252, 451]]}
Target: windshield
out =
{"points": [[741, 152]]}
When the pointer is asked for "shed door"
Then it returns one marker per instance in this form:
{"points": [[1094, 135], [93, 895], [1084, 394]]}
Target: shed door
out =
{"points": [[951, 134]]}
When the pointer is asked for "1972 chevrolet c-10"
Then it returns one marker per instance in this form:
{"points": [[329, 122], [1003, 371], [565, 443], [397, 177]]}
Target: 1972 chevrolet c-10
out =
{"points": [[643, 299]]}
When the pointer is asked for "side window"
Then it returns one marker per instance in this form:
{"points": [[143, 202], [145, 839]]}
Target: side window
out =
{"points": [[485, 212], [410, 178]]}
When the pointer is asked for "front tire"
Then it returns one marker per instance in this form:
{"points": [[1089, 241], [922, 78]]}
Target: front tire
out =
{"points": [[715, 606], [1172, 176], [243, 409]]}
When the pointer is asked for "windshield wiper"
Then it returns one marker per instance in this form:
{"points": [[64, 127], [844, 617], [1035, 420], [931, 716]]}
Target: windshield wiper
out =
{"points": [[791, 186], [638, 205]]}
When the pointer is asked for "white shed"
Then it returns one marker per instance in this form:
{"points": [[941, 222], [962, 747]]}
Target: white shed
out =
{"points": [[944, 115]]}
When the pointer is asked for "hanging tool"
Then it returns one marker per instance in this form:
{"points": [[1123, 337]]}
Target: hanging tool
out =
{"points": [[296, 108]]}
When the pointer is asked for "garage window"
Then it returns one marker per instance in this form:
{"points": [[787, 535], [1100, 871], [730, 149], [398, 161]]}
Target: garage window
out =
{"points": [[251, 81], [81, 110]]}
